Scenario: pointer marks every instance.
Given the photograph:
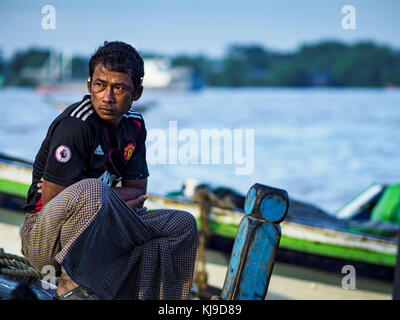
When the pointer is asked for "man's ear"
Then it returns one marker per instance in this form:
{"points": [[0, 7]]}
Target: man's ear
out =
{"points": [[89, 86], [138, 93]]}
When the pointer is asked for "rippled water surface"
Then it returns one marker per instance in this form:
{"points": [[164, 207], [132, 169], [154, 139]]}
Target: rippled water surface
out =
{"points": [[322, 145]]}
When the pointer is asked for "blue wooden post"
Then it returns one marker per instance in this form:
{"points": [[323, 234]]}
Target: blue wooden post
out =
{"points": [[396, 282], [256, 243]]}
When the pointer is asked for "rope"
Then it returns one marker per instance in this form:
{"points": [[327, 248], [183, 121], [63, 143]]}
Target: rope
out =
{"points": [[20, 266], [13, 257], [14, 263], [32, 273]]}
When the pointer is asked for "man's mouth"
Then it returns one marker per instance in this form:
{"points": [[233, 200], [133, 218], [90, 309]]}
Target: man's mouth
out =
{"points": [[107, 110]]}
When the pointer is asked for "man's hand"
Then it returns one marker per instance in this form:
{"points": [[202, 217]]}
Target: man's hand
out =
{"points": [[133, 192], [136, 203], [40, 186]]}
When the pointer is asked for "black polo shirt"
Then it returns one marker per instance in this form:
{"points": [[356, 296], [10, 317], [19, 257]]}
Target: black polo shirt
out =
{"points": [[79, 145]]}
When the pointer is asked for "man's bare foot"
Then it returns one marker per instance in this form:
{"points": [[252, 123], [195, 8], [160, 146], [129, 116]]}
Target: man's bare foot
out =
{"points": [[66, 284]]}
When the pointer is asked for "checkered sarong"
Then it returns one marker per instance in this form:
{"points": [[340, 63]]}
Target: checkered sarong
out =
{"points": [[110, 249]]}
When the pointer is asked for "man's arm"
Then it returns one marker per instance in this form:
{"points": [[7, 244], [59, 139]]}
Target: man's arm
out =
{"points": [[133, 192], [49, 191]]}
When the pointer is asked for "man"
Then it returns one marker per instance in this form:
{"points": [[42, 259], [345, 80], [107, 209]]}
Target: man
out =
{"points": [[77, 218]]}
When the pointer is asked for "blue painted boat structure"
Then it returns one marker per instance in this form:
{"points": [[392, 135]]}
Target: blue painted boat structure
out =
{"points": [[256, 244]]}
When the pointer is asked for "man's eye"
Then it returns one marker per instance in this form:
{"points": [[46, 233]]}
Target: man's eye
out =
{"points": [[99, 84]]}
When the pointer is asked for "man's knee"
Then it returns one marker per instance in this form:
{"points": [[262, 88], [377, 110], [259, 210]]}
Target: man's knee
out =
{"points": [[171, 222], [185, 221]]}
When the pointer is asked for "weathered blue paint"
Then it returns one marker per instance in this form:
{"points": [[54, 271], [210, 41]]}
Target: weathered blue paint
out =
{"points": [[257, 270], [234, 266], [256, 243], [250, 201], [272, 208], [267, 203]]}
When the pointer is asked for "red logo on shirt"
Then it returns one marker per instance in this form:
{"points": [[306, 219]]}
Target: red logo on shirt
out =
{"points": [[128, 151]]}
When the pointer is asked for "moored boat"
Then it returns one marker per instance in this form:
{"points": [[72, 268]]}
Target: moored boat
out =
{"points": [[310, 237]]}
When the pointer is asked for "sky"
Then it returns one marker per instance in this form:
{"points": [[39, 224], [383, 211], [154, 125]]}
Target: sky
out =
{"points": [[193, 27]]}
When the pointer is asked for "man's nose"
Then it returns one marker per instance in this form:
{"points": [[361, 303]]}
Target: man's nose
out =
{"points": [[108, 96]]}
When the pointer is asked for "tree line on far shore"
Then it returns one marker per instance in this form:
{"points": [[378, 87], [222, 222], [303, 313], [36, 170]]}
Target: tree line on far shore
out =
{"points": [[327, 63]]}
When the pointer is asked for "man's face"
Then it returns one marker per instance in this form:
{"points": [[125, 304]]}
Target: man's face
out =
{"points": [[112, 94]]}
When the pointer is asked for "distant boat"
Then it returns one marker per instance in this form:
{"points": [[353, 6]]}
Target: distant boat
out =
{"points": [[310, 237], [161, 75]]}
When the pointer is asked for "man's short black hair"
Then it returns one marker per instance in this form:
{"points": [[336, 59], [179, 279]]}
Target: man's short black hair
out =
{"points": [[119, 57]]}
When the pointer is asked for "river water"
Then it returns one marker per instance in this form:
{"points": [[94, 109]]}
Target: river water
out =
{"points": [[321, 145]]}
